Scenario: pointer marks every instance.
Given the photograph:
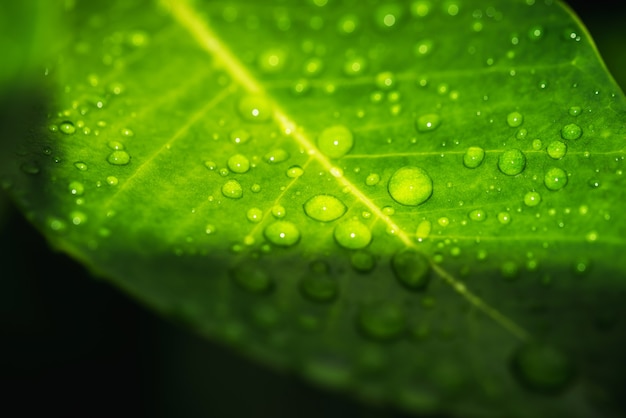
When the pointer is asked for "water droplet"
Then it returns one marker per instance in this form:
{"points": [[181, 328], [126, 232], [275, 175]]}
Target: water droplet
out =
{"points": [[363, 261], [571, 131], [504, 218], [423, 230], [352, 235], [521, 134], [535, 33], [232, 189], [272, 60], [555, 179], [509, 270], [294, 171], [348, 24], [512, 162], [428, 122], [67, 127], [443, 221], [254, 215], [210, 229], [423, 47], [319, 288], [255, 108], [354, 66], [385, 80], [473, 157], [532, 199], [410, 186], [387, 15], [420, 8], [278, 211], [542, 368], [112, 181], [211, 165], [282, 233], [239, 136], [514, 119], [78, 218], [76, 188], [335, 141], [574, 110], [557, 149], [381, 321], [372, 179], [127, 132], [324, 208], [251, 278], [119, 157], [478, 215], [411, 268], [81, 166], [238, 164], [276, 156]]}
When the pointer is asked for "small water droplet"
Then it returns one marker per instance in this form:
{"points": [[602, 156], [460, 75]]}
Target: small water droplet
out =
{"points": [[77, 188], [473, 157], [385, 80], [423, 47], [388, 15], [348, 24], [478, 215], [78, 218], [428, 122], [542, 368], [335, 141], [411, 268], [532, 199], [278, 211], [240, 136], [112, 181], [319, 288], [514, 119], [119, 157], [324, 208], [272, 61], [423, 230], [372, 179], [295, 171], [251, 278], [571, 131], [521, 134], [81, 166], [255, 108], [254, 215], [232, 189], [410, 186], [209, 229], [575, 110], [535, 33], [354, 66], [282, 233], [238, 164], [504, 218], [352, 235], [67, 128], [127, 132], [557, 149], [555, 179], [443, 221], [276, 156], [363, 261], [512, 162], [382, 321]]}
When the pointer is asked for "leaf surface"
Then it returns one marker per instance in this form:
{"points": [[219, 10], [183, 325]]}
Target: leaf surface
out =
{"points": [[419, 203]]}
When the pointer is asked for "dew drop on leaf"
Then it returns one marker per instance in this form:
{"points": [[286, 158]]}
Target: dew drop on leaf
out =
{"points": [[238, 164], [574, 110], [81, 166], [478, 215], [423, 230], [557, 149], [119, 157], [411, 268], [77, 188], [504, 218], [352, 235], [254, 215], [420, 8], [78, 218], [381, 321], [535, 33], [278, 211], [276, 156], [363, 261], [512, 162], [428, 122], [410, 186], [272, 61], [324, 208], [473, 157], [514, 119], [319, 288], [255, 108], [240, 136], [387, 16], [210, 229], [251, 278], [555, 179], [509, 270], [542, 368], [335, 141], [232, 189], [112, 181], [282, 233], [67, 127], [532, 199], [571, 131], [348, 24], [385, 80], [372, 179], [294, 171]]}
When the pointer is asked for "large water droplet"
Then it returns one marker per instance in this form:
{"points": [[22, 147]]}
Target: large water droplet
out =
{"points": [[238, 164], [382, 321], [542, 368], [555, 179], [473, 157], [119, 157], [410, 186], [571, 131], [324, 208], [428, 122], [512, 162], [255, 108], [352, 235], [251, 278], [335, 141], [232, 189], [411, 268], [282, 233]]}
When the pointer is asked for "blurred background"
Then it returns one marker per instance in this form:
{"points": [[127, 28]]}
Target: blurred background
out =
{"points": [[73, 346]]}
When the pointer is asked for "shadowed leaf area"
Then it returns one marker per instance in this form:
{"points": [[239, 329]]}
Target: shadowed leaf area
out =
{"points": [[418, 204]]}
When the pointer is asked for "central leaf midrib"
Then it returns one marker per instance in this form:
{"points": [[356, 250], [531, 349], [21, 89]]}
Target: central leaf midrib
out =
{"points": [[189, 19]]}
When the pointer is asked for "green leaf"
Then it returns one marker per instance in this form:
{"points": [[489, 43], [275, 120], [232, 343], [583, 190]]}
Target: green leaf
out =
{"points": [[417, 203]]}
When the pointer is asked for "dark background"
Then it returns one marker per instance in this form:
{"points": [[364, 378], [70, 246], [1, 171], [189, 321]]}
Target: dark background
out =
{"points": [[72, 346]]}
